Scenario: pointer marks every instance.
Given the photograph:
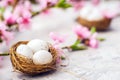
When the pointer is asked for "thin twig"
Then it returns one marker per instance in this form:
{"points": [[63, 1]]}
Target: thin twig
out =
{"points": [[4, 54]]}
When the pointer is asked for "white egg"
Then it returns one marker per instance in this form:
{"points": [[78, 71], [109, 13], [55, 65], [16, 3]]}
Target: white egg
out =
{"points": [[85, 11], [91, 13], [42, 57], [25, 51], [37, 45], [95, 15]]}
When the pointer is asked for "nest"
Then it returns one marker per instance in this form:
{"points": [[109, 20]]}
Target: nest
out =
{"points": [[99, 25], [25, 65]]}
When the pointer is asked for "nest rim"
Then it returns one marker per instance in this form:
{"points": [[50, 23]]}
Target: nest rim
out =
{"points": [[100, 25]]}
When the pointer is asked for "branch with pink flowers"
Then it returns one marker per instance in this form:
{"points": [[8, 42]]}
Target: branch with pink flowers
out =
{"points": [[17, 15], [85, 38]]}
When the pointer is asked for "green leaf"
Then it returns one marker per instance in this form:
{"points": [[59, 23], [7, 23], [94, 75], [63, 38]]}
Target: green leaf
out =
{"points": [[63, 4], [62, 1], [35, 13], [4, 54], [2, 10], [101, 39], [1, 40], [77, 42], [66, 5], [93, 30], [62, 58], [78, 47], [33, 1]]}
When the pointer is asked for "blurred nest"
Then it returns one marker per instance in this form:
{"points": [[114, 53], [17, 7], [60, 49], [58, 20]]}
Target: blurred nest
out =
{"points": [[25, 65], [99, 25]]}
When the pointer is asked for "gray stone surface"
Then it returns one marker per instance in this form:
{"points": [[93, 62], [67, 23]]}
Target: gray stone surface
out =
{"points": [[92, 64]]}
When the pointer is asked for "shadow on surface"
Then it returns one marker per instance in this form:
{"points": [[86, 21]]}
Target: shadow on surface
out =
{"points": [[21, 75]]}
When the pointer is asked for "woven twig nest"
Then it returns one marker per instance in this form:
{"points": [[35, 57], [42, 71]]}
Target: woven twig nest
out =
{"points": [[99, 25], [25, 65]]}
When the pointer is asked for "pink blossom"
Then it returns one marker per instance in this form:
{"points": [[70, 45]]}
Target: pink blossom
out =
{"points": [[26, 13], [43, 3], [57, 37], [82, 32], [5, 35], [18, 9], [53, 1], [46, 12], [27, 5], [10, 1], [60, 53], [93, 42], [110, 14], [77, 4], [24, 23], [95, 2], [22, 10], [23, 14], [10, 19], [4, 3]]}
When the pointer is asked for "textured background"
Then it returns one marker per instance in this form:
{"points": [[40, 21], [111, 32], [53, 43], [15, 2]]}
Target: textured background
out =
{"points": [[92, 64]]}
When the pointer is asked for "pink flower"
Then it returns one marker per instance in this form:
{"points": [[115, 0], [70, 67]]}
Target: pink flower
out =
{"points": [[53, 1], [82, 32], [60, 53], [27, 5], [26, 13], [93, 42], [10, 19], [110, 14], [5, 35], [95, 2], [3, 3], [18, 9], [23, 10], [24, 23], [44, 3], [46, 12], [77, 4], [57, 37], [85, 35], [10, 1]]}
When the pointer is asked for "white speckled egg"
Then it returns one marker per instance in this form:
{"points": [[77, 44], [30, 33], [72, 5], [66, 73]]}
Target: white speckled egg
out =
{"points": [[42, 57], [25, 51], [37, 45]]}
